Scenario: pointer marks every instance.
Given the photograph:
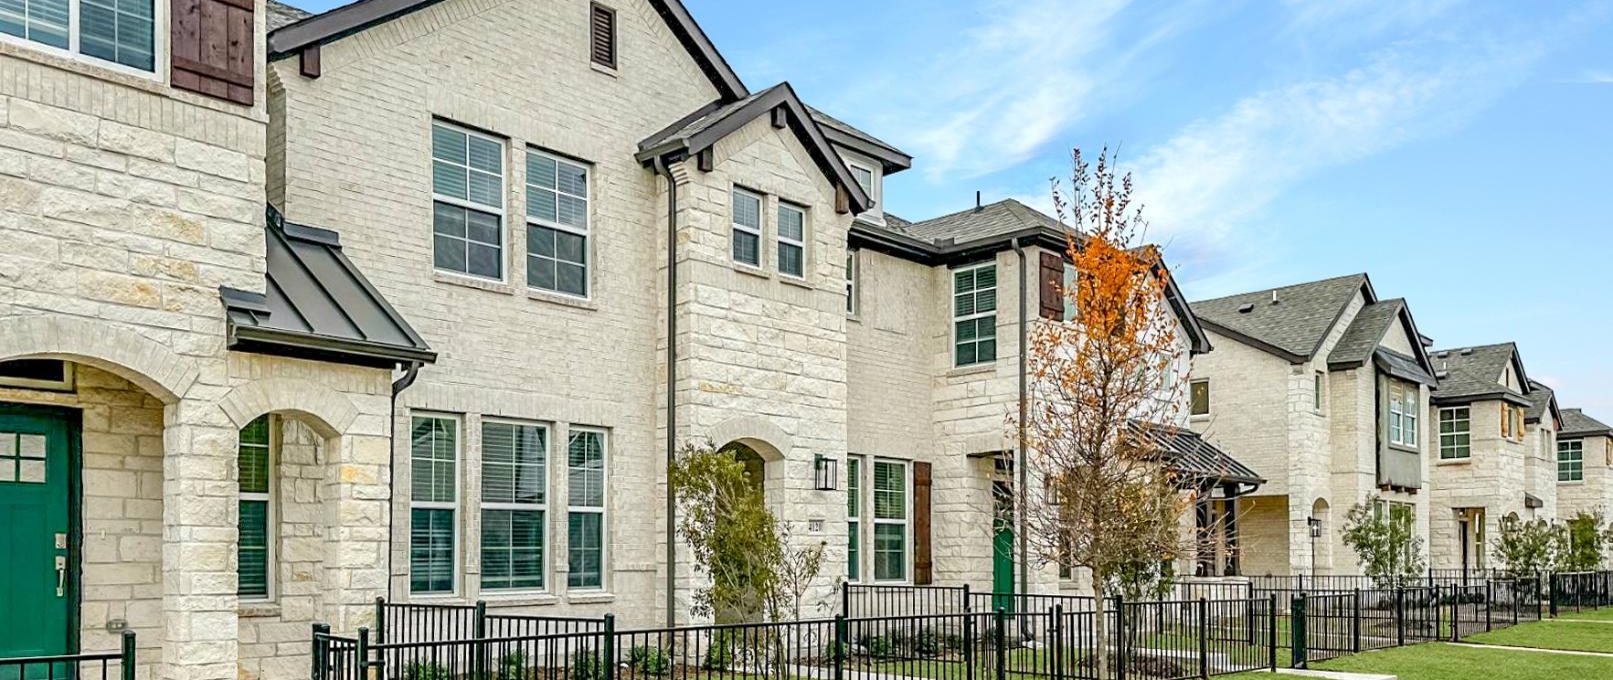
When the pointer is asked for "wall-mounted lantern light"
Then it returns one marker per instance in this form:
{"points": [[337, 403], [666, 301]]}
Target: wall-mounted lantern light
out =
{"points": [[1315, 525], [825, 473]]}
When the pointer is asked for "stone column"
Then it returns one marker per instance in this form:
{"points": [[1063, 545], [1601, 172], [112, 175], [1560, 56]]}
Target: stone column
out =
{"points": [[199, 544], [356, 495]]}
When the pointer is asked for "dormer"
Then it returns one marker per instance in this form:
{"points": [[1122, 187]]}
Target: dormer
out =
{"points": [[869, 159]]}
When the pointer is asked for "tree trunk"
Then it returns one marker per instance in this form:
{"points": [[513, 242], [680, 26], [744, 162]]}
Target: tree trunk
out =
{"points": [[1100, 627]]}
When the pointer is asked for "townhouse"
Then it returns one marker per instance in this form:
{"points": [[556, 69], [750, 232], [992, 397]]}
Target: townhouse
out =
{"points": [[1584, 465], [1491, 462], [1323, 390]]}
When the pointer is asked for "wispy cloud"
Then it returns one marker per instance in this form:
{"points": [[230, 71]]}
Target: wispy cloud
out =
{"points": [[1594, 77], [1207, 182], [1336, 18]]}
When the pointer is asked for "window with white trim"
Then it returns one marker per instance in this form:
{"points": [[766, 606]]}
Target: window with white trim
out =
{"points": [[1571, 461], [851, 281], [585, 509], [791, 240], [974, 315], [556, 224], [433, 504], [1403, 398], [747, 230], [1198, 397], [1318, 389], [890, 520], [122, 32], [253, 549], [467, 191], [514, 491], [864, 178], [1455, 433], [854, 487]]}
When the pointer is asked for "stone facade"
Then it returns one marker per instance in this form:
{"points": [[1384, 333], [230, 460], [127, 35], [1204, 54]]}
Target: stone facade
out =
{"points": [[1595, 492]]}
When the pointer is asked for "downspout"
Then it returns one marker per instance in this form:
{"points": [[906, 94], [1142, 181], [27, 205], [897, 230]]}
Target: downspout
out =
{"points": [[671, 386], [1019, 450], [411, 371]]}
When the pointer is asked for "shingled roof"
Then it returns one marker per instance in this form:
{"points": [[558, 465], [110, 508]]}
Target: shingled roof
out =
{"points": [[1291, 321], [281, 14], [1576, 424], [1473, 373], [1365, 333], [1541, 401]]}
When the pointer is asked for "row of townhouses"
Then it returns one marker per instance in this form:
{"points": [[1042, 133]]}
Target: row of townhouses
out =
{"points": [[414, 299]]}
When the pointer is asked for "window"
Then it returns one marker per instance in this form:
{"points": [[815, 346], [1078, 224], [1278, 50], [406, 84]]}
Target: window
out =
{"points": [[791, 241], [864, 177], [602, 35], [556, 224], [37, 374], [747, 219], [1455, 433], [514, 489], [851, 282], [1198, 395], [585, 512], [1571, 461], [974, 315], [1511, 422], [467, 187], [1403, 400], [433, 503], [1318, 386], [122, 32], [252, 549], [854, 488], [890, 520]]}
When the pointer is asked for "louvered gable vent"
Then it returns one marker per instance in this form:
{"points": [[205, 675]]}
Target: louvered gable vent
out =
{"points": [[602, 32]]}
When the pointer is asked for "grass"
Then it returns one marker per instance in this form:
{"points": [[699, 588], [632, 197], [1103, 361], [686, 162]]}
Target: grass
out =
{"points": [[1603, 614], [1442, 661], [1584, 636]]}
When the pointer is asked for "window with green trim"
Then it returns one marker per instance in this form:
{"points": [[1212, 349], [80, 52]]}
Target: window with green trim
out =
{"points": [[1455, 433], [585, 510], [890, 520], [1571, 461], [434, 503], [252, 550], [514, 485], [854, 487]]}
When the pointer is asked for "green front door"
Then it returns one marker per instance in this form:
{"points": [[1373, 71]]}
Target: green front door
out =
{"points": [[36, 496], [1002, 568]]}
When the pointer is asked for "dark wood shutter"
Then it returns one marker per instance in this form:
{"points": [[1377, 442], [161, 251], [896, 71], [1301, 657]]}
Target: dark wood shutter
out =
{"points": [[212, 48], [1052, 278], [602, 33], [922, 562]]}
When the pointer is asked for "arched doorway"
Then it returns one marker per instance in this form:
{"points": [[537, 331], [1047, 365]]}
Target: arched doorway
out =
{"points": [[755, 465], [1321, 533]]}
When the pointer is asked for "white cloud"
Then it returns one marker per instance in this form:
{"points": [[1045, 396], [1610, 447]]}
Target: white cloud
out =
{"points": [[1208, 182], [1595, 78]]}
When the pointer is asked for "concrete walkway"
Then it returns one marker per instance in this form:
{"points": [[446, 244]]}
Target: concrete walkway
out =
{"points": [[1570, 652], [1335, 675]]}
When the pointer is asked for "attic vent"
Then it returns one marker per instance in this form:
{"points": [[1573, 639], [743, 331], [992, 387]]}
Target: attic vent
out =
{"points": [[602, 35], [1442, 355], [1246, 308], [1274, 299], [1442, 375], [1467, 351]]}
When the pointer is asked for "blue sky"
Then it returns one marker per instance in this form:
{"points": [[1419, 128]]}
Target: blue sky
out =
{"points": [[1459, 152]]}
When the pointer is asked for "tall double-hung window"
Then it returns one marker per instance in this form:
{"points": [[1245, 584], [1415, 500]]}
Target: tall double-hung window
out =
{"points": [[514, 490], [433, 503], [747, 227], [557, 224], [467, 191], [854, 503], [585, 512], [121, 32], [974, 315], [1403, 400], [1455, 433], [256, 525], [791, 241], [1571, 460], [890, 520]]}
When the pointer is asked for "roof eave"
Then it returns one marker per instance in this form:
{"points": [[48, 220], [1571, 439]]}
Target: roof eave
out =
{"points": [[892, 160], [1287, 355], [291, 343]]}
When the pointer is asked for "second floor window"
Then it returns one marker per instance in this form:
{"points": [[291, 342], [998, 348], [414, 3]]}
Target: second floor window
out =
{"points": [[851, 282], [747, 231], [1571, 461], [791, 241], [467, 191], [974, 315], [1455, 433], [557, 224], [121, 32], [1198, 398], [1403, 400]]}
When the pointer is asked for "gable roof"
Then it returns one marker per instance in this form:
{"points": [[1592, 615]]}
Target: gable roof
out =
{"points": [[1289, 321], [281, 14], [1365, 333], [317, 305], [346, 20], [1469, 374], [841, 133], [1577, 425], [702, 129], [1196, 460], [1542, 400]]}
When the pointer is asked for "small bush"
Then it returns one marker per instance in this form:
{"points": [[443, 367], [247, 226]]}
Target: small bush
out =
{"points": [[952, 642], [649, 660], [829, 651], [927, 642], [720, 655], [425, 671], [586, 667], [878, 646], [513, 666]]}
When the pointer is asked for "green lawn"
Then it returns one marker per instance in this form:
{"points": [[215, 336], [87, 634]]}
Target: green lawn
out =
{"points": [[1582, 636], [1603, 614], [1441, 661]]}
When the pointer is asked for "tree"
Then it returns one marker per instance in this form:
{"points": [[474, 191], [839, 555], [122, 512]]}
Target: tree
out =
{"points": [[1587, 534], [1529, 547], [1384, 538], [1107, 502]]}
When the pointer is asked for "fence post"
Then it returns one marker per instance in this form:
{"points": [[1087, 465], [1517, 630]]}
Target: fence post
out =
{"points": [[1298, 638], [967, 607], [1551, 590], [127, 661], [840, 646], [999, 635], [380, 620], [1204, 638], [1355, 622], [608, 648], [845, 600], [1055, 640], [1121, 655], [317, 667], [1271, 630], [361, 656], [1400, 616], [1489, 599], [968, 647]]}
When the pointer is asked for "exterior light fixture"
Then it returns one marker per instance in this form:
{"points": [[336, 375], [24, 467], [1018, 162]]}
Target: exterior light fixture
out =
{"points": [[825, 473]]}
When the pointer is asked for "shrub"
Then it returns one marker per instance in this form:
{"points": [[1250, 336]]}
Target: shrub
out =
{"points": [[586, 667], [927, 642], [649, 660], [420, 670], [878, 646], [513, 666], [720, 655]]}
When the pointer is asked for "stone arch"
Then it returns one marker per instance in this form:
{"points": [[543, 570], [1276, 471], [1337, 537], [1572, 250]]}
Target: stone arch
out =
{"points": [[1322, 511], [327, 411], [760, 434], [107, 346]]}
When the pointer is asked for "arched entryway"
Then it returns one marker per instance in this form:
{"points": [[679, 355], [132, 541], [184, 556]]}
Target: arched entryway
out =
{"points": [[1320, 526]]}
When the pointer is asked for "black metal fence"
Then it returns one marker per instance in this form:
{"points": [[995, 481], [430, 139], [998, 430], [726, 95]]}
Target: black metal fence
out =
{"points": [[118, 665]]}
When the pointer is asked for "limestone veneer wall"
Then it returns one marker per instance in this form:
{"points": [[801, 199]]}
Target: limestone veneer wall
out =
{"points": [[1493, 478]]}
